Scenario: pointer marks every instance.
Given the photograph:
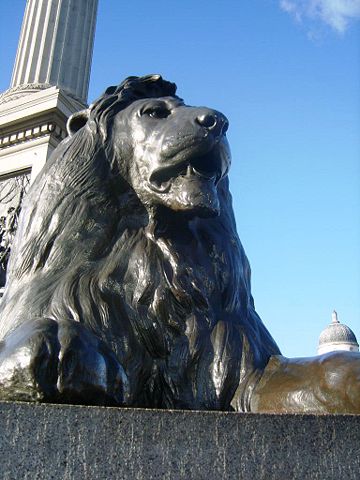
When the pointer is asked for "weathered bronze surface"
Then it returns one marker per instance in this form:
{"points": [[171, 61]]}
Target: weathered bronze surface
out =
{"points": [[128, 284]]}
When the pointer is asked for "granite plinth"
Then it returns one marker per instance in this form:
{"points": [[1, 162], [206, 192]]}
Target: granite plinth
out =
{"points": [[68, 442]]}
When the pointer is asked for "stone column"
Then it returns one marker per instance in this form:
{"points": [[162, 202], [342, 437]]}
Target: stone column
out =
{"points": [[56, 44]]}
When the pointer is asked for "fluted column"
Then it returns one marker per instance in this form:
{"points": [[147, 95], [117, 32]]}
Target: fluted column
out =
{"points": [[56, 44]]}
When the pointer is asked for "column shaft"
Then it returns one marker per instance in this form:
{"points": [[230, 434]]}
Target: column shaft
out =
{"points": [[56, 44]]}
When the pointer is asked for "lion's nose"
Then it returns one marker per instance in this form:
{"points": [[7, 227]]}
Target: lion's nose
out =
{"points": [[215, 122]]}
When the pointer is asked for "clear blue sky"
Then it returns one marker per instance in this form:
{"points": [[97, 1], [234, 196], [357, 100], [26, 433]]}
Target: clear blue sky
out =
{"points": [[288, 78]]}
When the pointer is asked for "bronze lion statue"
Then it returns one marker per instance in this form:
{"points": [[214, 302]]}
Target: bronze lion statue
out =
{"points": [[128, 284]]}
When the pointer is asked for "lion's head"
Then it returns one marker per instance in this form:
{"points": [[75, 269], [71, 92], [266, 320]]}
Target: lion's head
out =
{"points": [[129, 230], [179, 153]]}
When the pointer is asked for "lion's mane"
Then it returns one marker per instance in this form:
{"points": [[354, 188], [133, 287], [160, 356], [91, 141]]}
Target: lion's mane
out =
{"points": [[86, 251]]}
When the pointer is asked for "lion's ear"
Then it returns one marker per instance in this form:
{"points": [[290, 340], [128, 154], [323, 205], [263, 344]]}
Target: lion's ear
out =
{"points": [[77, 121]]}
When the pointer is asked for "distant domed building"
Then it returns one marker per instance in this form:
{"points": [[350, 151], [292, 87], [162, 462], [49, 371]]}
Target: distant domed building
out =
{"points": [[337, 336]]}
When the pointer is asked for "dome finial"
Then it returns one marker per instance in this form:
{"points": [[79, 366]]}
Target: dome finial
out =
{"points": [[334, 317]]}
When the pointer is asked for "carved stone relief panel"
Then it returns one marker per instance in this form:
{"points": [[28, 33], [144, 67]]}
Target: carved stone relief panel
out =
{"points": [[12, 191]]}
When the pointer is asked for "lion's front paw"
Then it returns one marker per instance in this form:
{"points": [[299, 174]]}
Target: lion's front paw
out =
{"points": [[61, 362]]}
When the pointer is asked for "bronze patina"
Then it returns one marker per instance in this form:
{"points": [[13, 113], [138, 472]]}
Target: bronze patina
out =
{"points": [[128, 284]]}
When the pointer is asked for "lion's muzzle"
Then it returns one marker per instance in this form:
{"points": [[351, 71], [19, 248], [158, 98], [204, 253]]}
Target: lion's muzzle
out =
{"points": [[199, 148]]}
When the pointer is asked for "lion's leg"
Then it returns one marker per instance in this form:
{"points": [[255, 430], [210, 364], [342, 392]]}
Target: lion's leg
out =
{"points": [[44, 360], [327, 383]]}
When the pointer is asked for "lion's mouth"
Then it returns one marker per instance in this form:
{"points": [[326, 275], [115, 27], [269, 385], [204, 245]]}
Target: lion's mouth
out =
{"points": [[204, 167]]}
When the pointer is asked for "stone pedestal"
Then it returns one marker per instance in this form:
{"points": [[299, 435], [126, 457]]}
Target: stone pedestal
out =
{"points": [[31, 127], [70, 442]]}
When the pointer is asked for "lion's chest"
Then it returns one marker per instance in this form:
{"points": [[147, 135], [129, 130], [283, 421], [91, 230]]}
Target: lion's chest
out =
{"points": [[171, 279], [172, 297]]}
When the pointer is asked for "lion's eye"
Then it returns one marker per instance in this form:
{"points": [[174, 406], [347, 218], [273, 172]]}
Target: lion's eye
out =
{"points": [[157, 112]]}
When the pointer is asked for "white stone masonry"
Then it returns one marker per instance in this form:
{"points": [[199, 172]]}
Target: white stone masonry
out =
{"points": [[56, 44]]}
